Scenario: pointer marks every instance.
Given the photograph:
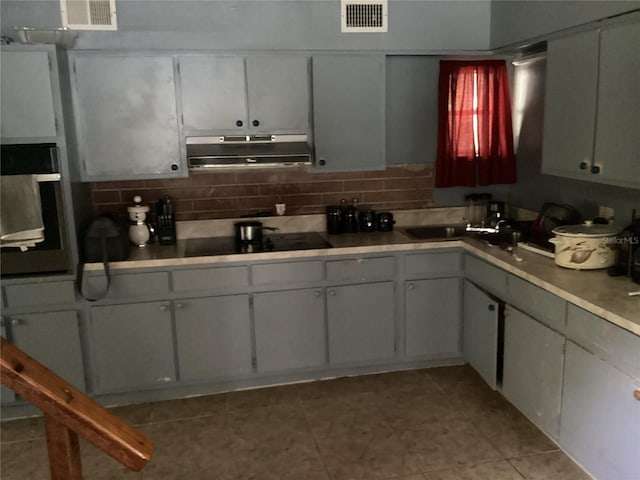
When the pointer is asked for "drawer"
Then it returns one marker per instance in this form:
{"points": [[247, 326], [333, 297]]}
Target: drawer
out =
{"points": [[291, 272], [492, 279], [36, 294], [611, 343], [360, 269], [433, 264], [545, 307], [221, 278], [130, 284]]}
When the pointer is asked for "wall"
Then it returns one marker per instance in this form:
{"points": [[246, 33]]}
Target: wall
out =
{"points": [[518, 21], [268, 25], [226, 194]]}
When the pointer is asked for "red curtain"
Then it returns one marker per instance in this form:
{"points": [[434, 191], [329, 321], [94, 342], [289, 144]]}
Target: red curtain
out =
{"points": [[457, 163]]}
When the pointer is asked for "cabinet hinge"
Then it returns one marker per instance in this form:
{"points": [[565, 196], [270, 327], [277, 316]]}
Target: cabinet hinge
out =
{"points": [[182, 119]]}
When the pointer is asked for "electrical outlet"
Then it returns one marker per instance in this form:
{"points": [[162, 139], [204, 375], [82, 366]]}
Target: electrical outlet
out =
{"points": [[606, 212]]}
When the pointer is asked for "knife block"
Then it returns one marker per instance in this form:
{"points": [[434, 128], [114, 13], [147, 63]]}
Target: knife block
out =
{"points": [[166, 224]]}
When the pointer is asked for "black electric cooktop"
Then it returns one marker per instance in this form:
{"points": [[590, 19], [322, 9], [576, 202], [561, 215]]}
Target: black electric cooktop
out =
{"points": [[199, 247]]}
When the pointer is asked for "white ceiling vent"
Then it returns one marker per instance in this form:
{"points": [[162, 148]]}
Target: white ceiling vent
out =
{"points": [[364, 15], [89, 14]]}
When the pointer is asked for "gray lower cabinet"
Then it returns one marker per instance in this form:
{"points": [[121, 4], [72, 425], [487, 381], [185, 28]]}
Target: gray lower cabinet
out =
{"points": [[349, 112], [290, 329], [213, 337], [480, 315], [361, 323], [432, 317], [132, 346], [600, 417], [51, 338], [6, 395], [533, 367], [126, 116]]}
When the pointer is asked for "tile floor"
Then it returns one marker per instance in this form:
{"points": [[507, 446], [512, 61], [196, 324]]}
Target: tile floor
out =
{"points": [[432, 424]]}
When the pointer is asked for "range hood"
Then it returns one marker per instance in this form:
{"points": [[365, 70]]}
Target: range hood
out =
{"points": [[248, 151]]}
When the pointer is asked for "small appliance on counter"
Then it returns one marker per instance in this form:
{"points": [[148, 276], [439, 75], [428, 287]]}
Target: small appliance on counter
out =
{"points": [[587, 246], [139, 230], [551, 215], [166, 224], [628, 242], [495, 213]]}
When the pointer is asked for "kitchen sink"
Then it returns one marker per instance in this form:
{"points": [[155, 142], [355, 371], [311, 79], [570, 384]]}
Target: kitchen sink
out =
{"points": [[436, 232]]}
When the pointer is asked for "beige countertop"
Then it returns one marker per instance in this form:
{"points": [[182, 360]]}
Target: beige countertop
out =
{"points": [[592, 290]]}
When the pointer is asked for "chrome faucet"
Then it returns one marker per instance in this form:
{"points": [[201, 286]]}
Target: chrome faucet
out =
{"points": [[482, 229]]}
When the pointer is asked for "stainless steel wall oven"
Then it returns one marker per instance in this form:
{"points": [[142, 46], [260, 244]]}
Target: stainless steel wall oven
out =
{"points": [[51, 255]]}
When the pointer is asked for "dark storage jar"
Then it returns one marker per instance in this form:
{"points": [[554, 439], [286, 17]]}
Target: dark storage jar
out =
{"points": [[384, 221], [350, 220], [367, 221], [334, 220]]}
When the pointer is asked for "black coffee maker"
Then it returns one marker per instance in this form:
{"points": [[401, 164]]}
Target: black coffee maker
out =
{"points": [[628, 252]]}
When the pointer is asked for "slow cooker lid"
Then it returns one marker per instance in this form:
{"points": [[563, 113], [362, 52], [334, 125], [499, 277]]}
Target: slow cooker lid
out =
{"points": [[587, 229]]}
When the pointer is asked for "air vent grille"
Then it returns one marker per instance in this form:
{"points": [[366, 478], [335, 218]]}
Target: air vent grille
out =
{"points": [[89, 14], [364, 15]]}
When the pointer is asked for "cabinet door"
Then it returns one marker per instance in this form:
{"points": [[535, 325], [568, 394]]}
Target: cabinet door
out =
{"points": [[361, 323], [570, 105], [213, 337], [42, 335], [126, 116], [349, 112], [26, 97], [6, 395], [532, 374], [480, 332], [133, 345], [278, 89], [617, 147], [214, 93], [600, 417], [290, 329], [432, 325]]}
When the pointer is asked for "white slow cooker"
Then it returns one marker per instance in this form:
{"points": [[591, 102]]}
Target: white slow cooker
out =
{"points": [[587, 246]]}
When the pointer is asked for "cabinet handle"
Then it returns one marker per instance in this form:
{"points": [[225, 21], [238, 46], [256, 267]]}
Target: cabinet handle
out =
{"points": [[361, 261], [317, 293], [506, 312], [583, 165], [636, 394], [595, 169], [492, 307], [15, 322], [239, 123], [174, 167], [256, 123], [164, 308], [179, 305], [163, 380], [322, 162], [411, 286], [332, 293]]}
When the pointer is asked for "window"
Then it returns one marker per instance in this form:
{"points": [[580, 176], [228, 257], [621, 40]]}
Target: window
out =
{"points": [[475, 136]]}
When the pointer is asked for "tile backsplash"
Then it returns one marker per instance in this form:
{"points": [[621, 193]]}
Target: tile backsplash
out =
{"points": [[228, 194]]}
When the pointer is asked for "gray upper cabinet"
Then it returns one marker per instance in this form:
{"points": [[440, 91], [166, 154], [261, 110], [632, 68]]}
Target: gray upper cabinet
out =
{"points": [[126, 114], [480, 332], [533, 366], [361, 323], [617, 147], [432, 327], [213, 337], [244, 95], [591, 106], [26, 97], [349, 112], [290, 329]]}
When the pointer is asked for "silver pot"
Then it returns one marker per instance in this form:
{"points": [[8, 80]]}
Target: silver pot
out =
{"points": [[587, 246], [250, 232]]}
